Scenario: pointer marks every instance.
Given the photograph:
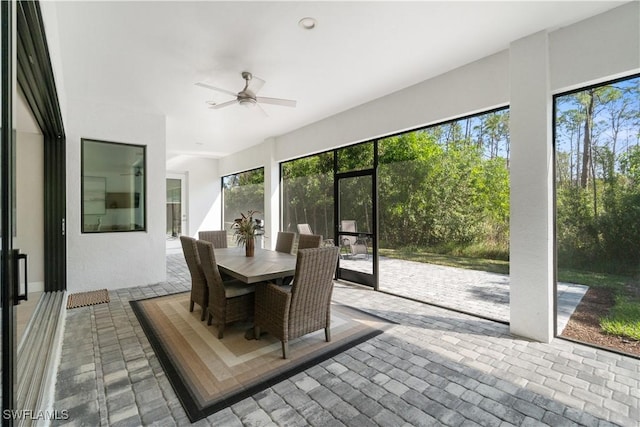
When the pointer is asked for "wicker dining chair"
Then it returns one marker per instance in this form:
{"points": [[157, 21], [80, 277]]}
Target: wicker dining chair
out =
{"points": [[289, 312], [309, 241], [199, 288], [229, 301], [284, 241], [217, 237], [352, 245], [304, 229]]}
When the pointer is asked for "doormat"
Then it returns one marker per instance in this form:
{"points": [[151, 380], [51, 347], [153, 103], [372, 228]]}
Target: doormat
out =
{"points": [[82, 299], [209, 374]]}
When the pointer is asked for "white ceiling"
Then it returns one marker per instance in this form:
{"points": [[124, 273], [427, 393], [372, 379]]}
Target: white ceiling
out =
{"points": [[146, 56]]}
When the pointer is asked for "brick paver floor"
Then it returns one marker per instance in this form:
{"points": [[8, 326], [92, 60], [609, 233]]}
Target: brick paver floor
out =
{"points": [[470, 291], [435, 367]]}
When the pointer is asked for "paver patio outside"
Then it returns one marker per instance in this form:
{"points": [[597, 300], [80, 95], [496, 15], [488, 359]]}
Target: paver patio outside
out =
{"points": [[470, 291]]}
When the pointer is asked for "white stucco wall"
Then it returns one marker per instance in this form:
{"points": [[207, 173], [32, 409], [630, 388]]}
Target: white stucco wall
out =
{"points": [[531, 165], [475, 87], [116, 259], [600, 48]]}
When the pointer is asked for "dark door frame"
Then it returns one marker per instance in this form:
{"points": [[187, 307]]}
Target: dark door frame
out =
{"points": [[349, 275], [8, 277], [37, 83]]}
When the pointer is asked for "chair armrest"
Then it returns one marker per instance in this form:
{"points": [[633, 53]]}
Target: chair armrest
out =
{"points": [[272, 309], [272, 295]]}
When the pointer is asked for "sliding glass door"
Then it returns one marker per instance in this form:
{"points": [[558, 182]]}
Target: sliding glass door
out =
{"points": [[8, 258]]}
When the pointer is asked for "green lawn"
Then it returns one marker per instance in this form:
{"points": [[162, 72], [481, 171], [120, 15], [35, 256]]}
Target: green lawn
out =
{"points": [[490, 265], [623, 319]]}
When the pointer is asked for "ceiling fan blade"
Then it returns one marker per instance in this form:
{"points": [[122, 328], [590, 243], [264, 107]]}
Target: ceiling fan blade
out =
{"points": [[264, 113], [207, 86], [276, 101], [255, 84], [224, 104]]}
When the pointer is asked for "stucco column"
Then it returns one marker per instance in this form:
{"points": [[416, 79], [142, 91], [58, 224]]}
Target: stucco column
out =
{"points": [[531, 252], [271, 195]]}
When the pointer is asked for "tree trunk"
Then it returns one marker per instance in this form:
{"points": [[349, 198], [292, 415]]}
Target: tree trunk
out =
{"points": [[586, 148], [595, 192]]}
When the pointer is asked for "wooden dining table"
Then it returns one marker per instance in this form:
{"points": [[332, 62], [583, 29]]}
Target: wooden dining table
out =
{"points": [[264, 265]]}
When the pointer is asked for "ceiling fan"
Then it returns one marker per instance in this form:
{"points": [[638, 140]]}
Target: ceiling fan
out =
{"points": [[247, 96]]}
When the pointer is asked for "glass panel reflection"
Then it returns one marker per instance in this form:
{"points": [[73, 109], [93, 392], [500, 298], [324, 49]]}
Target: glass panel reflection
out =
{"points": [[307, 195]]}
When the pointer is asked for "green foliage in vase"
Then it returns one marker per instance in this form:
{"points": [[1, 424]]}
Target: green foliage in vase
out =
{"points": [[245, 228]]}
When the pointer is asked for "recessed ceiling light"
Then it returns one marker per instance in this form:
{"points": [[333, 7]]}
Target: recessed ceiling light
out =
{"points": [[307, 23]]}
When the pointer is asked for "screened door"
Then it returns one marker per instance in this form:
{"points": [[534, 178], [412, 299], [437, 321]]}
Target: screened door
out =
{"points": [[355, 219]]}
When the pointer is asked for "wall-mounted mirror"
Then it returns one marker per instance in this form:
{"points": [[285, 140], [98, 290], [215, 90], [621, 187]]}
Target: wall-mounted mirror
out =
{"points": [[113, 187]]}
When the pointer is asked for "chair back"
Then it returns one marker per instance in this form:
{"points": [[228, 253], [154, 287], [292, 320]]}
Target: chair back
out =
{"points": [[199, 288], [304, 229], [217, 237], [210, 270], [349, 225], [309, 241], [284, 242], [310, 307], [193, 259]]}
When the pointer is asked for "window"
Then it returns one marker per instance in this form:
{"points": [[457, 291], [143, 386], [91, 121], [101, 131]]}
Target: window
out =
{"points": [[355, 157], [113, 187], [242, 192], [451, 182], [597, 183], [441, 197], [307, 194]]}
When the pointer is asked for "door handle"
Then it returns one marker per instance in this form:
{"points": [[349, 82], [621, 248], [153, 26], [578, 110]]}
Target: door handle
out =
{"points": [[17, 256]]}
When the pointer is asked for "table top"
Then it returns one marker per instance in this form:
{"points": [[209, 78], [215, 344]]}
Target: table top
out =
{"points": [[264, 265]]}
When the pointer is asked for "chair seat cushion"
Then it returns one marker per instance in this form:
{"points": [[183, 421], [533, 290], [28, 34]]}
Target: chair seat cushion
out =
{"points": [[236, 288]]}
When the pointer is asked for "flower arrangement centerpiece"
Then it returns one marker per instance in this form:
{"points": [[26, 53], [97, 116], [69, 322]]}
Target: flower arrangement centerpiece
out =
{"points": [[245, 231]]}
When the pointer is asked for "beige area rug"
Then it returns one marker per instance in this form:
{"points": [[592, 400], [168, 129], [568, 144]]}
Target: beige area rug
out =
{"points": [[82, 299], [209, 374]]}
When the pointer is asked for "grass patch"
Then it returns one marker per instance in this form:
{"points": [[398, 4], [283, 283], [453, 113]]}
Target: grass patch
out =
{"points": [[593, 279], [421, 255], [623, 319]]}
